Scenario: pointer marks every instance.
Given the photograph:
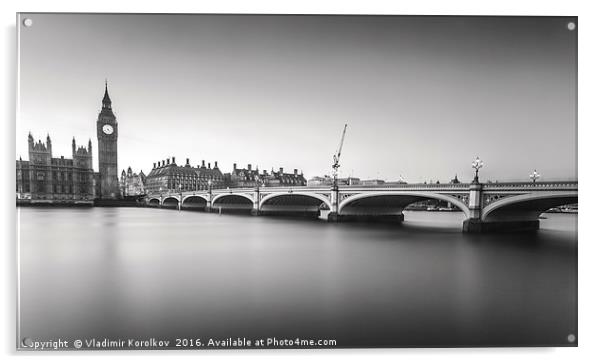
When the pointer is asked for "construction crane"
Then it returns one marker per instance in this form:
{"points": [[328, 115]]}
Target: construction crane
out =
{"points": [[337, 157]]}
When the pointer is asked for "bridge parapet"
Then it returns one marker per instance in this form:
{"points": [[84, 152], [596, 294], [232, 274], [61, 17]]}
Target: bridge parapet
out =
{"points": [[530, 186], [422, 186], [521, 185]]}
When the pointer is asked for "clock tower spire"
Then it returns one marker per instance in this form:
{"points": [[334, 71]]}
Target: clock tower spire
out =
{"points": [[106, 131]]}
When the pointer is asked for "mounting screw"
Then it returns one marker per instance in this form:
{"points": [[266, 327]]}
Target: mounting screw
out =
{"points": [[27, 22], [27, 342]]}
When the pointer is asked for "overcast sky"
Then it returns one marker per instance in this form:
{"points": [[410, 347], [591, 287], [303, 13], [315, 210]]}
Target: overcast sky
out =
{"points": [[422, 95]]}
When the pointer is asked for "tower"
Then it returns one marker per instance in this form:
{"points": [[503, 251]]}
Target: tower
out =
{"points": [[106, 131]]}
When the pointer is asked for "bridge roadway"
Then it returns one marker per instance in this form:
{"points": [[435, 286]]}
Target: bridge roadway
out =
{"points": [[511, 206]]}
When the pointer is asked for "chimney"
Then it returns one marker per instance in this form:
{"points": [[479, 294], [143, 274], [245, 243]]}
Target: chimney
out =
{"points": [[234, 166], [187, 161], [154, 165], [249, 167], [209, 165], [173, 160], [281, 170], [215, 165], [203, 164], [295, 171], [265, 172]]}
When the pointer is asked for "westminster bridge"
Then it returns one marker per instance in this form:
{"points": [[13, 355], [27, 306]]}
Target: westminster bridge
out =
{"points": [[486, 206]]}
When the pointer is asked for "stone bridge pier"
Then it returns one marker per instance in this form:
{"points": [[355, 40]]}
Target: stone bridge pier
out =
{"points": [[489, 207], [517, 207]]}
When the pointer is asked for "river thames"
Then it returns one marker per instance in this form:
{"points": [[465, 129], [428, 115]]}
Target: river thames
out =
{"points": [[123, 273]]}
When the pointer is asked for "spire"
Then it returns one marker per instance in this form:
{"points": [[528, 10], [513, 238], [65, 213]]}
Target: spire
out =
{"points": [[106, 100]]}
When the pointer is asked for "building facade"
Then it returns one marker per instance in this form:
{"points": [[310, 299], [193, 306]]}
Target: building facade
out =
{"points": [[320, 181], [167, 176], [249, 177], [132, 184], [326, 180], [49, 179]]}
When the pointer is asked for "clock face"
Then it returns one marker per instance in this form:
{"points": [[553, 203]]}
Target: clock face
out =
{"points": [[107, 129]]}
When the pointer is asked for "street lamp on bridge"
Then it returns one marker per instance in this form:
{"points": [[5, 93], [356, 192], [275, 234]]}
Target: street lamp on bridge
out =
{"points": [[180, 202], [258, 182], [477, 164], [209, 182], [534, 176]]}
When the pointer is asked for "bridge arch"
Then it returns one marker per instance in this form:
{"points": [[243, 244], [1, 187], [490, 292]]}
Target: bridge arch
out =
{"points": [[233, 203], [526, 206], [394, 200], [194, 201], [171, 201], [311, 197], [154, 202], [223, 197]]}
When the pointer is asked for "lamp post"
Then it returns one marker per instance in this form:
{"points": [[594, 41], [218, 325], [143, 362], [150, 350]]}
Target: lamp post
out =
{"points": [[257, 183], [160, 196], [180, 202], [210, 195], [534, 176], [477, 164], [255, 209]]}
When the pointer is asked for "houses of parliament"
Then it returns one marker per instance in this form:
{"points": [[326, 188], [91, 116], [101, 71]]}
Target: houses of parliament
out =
{"points": [[48, 179], [59, 180]]}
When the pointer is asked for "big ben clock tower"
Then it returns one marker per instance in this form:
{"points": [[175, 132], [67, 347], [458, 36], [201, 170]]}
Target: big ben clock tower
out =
{"points": [[106, 130]]}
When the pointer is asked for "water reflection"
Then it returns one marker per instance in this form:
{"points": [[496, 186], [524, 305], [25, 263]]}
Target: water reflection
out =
{"points": [[127, 272]]}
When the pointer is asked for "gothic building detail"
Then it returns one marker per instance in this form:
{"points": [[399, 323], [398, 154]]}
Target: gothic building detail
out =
{"points": [[132, 184], [45, 178], [107, 132]]}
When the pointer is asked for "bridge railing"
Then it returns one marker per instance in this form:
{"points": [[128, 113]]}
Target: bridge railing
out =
{"points": [[430, 186], [562, 185], [520, 185]]}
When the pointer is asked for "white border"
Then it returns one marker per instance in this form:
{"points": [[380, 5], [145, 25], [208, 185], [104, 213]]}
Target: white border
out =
{"points": [[590, 248]]}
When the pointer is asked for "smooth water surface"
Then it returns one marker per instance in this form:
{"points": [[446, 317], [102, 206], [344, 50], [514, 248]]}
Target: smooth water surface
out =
{"points": [[139, 273]]}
